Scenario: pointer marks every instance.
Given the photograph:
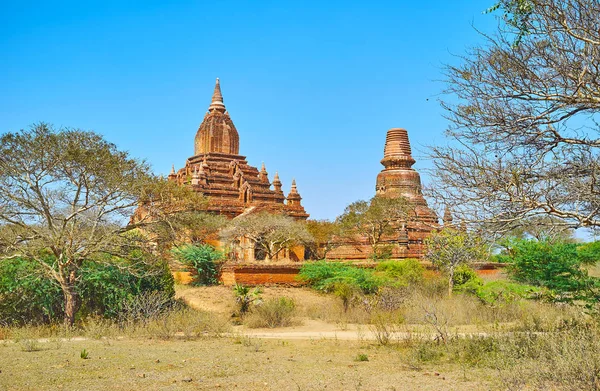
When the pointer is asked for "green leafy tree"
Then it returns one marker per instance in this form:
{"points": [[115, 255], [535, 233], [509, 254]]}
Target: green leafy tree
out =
{"points": [[449, 248], [29, 296], [379, 220], [556, 266], [66, 198]]}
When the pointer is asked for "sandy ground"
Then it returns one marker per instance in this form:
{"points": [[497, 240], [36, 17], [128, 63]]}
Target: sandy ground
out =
{"points": [[226, 364]]}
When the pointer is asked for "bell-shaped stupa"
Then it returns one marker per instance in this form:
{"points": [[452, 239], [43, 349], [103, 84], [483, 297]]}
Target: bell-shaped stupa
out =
{"points": [[399, 179]]}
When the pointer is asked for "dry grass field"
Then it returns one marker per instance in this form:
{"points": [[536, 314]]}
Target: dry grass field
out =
{"points": [[430, 343], [241, 363]]}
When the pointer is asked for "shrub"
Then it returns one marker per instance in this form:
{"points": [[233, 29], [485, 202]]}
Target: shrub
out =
{"points": [[556, 266], [325, 276], [106, 289], [205, 260], [464, 274], [499, 292], [405, 272], [27, 295], [245, 297], [277, 312]]}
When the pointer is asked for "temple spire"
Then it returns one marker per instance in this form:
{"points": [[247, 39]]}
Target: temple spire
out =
{"points": [[172, 175], [293, 199], [277, 183], [217, 99]]}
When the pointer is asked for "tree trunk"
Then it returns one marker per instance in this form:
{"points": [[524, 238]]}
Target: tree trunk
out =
{"points": [[450, 282], [71, 297]]}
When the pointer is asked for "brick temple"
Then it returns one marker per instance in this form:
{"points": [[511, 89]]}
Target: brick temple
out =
{"points": [[398, 178], [218, 171], [233, 187]]}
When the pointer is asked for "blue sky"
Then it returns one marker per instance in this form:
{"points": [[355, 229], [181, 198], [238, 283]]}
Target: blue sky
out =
{"points": [[312, 86]]}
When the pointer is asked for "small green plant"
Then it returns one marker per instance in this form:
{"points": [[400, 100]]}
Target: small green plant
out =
{"points": [[245, 297], [204, 259], [361, 357], [30, 345], [84, 354]]}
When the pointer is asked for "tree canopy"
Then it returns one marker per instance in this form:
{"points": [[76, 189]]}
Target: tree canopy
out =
{"points": [[377, 220], [67, 196], [267, 232]]}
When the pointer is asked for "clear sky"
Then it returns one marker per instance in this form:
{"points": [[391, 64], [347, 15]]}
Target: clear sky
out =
{"points": [[312, 86]]}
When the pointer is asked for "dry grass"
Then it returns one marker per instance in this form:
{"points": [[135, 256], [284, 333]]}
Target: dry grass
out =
{"points": [[226, 363], [512, 346]]}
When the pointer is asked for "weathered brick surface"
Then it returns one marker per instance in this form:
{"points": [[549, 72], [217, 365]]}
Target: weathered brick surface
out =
{"points": [[261, 275], [218, 171], [398, 178]]}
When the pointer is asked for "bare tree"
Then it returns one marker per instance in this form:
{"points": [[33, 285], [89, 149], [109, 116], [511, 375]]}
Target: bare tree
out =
{"points": [[271, 233], [524, 130], [542, 228], [66, 196]]}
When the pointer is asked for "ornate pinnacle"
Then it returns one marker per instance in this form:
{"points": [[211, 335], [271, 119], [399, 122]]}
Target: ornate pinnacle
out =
{"points": [[294, 198], [217, 99]]}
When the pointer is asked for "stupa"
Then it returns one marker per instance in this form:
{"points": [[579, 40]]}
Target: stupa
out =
{"points": [[398, 179]]}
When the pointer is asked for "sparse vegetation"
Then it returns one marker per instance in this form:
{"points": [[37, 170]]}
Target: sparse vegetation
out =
{"points": [[276, 312]]}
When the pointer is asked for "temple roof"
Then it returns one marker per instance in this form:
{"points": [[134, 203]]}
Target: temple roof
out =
{"points": [[217, 133]]}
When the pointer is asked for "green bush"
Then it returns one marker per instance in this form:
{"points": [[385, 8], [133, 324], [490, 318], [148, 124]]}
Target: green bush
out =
{"points": [[204, 259], [500, 292], [27, 295], [556, 266], [325, 276], [464, 274], [405, 272], [277, 312], [107, 288], [245, 297]]}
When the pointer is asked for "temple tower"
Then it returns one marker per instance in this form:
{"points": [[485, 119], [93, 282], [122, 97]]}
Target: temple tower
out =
{"points": [[399, 179], [217, 133]]}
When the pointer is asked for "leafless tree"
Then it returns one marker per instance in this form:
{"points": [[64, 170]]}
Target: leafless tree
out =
{"points": [[524, 134]]}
